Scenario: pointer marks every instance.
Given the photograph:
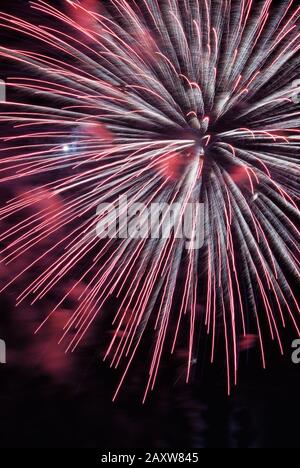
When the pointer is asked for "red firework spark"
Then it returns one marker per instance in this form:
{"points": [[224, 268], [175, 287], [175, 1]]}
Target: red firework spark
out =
{"points": [[163, 101]]}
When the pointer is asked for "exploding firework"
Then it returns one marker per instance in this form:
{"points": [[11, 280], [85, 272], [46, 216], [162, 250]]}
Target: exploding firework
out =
{"points": [[161, 101]]}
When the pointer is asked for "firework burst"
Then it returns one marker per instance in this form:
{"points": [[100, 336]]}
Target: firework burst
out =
{"points": [[162, 101]]}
